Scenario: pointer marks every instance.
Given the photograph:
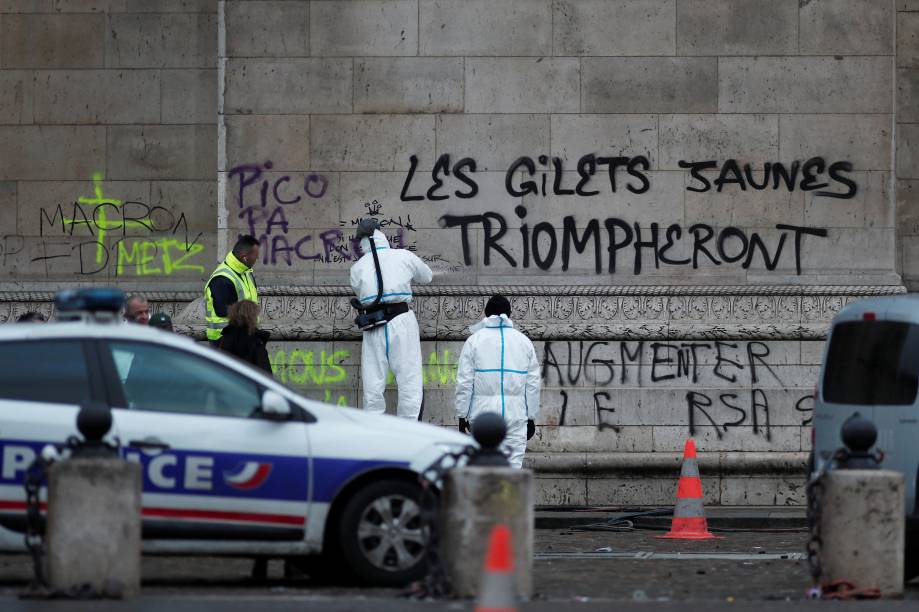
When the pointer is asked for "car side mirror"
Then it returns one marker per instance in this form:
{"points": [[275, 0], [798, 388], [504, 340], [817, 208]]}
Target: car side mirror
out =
{"points": [[275, 406]]}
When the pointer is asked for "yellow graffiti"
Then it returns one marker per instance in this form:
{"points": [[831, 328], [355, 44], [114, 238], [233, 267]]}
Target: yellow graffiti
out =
{"points": [[300, 367], [341, 401], [323, 375], [139, 253], [438, 369], [100, 217]]}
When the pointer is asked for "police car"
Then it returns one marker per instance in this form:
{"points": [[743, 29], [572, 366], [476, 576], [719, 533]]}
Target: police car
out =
{"points": [[233, 462]]}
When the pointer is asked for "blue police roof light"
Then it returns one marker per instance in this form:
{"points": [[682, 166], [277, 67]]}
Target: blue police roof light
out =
{"points": [[89, 301]]}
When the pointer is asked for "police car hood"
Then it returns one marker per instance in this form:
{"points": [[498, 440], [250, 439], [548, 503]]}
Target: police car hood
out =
{"points": [[389, 438], [387, 425]]}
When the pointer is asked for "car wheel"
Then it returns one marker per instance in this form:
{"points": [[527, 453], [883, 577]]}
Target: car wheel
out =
{"points": [[381, 534]]}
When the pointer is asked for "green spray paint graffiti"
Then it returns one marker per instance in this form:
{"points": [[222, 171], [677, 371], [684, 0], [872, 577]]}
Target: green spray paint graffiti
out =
{"points": [[305, 368], [105, 219], [322, 373], [100, 217], [437, 370]]}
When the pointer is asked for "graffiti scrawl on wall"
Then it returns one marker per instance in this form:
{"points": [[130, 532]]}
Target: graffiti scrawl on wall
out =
{"points": [[126, 238]]}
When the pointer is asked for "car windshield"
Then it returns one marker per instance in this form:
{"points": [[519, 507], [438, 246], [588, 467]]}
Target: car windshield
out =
{"points": [[872, 363]]}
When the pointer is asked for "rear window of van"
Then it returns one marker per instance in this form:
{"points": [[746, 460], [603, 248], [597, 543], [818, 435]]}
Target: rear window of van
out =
{"points": [[872, 363]]}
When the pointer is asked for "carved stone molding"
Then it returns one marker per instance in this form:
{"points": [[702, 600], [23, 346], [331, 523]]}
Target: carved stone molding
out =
{"points": [[771, 312], [603, 290], [520, 290], [296, 330]]}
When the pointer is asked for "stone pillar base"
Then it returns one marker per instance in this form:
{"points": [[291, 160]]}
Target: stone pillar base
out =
{"points": [[475, 499], [862, 525], [93, 530]]}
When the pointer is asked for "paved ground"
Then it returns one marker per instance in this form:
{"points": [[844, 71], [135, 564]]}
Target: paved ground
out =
{"points": [[670, 579], [752, 580], [718, 516], [299, 604]]}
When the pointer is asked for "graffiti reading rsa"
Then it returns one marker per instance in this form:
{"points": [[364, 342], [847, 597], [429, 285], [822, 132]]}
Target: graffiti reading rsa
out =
{"points": [[736, 385], [720, 387]]}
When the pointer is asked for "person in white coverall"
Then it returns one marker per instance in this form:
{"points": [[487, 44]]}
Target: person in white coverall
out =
{"points": [[395, 346], [499, 372]]}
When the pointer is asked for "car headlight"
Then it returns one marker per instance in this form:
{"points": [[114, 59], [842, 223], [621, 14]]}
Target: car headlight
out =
{"points": [[455, 448], [435, 456]]}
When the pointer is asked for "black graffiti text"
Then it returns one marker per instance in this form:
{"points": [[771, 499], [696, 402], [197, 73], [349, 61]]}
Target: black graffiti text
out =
{"points": [[542, 175], [619, 240]]}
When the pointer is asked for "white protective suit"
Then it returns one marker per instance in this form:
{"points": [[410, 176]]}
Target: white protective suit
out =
{"points": [[397, 345], [499, 372]]}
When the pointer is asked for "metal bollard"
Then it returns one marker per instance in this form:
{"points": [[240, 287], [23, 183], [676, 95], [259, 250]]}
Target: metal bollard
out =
{"points": [[475, 499], [93, 532], [862, 517]]}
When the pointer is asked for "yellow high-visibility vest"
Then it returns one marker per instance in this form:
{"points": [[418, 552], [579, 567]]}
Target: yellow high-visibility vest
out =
{"points": [[241, 276]]}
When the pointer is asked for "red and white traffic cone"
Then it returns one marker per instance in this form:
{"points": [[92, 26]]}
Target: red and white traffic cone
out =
{"points": [[497, 592], [689, 514]]}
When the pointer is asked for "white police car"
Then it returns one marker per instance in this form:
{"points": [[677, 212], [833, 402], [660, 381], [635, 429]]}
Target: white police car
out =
{"points": [[233, 462]]}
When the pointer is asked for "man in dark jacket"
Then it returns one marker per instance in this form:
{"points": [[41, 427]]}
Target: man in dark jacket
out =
{"points": [[230, 282]]}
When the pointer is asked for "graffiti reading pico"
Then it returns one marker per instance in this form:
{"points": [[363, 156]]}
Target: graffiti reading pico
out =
{"points": [[264, 207]]}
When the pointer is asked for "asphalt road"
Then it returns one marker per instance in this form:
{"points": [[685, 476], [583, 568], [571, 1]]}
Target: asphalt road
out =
{"points": [[276, 604], [628, 574]]}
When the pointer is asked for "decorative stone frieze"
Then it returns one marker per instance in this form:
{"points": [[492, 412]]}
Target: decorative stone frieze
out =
{"points": [[767, 312]]}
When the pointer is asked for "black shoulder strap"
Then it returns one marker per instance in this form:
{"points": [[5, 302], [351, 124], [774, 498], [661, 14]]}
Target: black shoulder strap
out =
{"points": [[376, 263]]}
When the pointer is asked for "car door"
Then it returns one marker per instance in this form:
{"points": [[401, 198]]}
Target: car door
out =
{"points": [[214, 466], [43, 383], [898, 422]]}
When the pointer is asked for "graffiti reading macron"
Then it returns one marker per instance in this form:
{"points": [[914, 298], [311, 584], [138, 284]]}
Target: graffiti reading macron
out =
{"points": [[124, 236]]}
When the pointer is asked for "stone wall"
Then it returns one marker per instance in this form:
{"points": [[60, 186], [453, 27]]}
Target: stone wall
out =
{"points": [[107, 142], [419, 113], [628, 374], [466, 88], [677, 194], [907, 140]]}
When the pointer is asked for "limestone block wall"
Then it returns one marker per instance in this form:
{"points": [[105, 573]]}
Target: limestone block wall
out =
{"points": [[615, 413], [547, 149], [907, 149], [677, 194], [107, 142], [532, 136], [628, 373]]}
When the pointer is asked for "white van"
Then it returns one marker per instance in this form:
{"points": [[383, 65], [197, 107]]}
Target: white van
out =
{"points": [[871, 366]]}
